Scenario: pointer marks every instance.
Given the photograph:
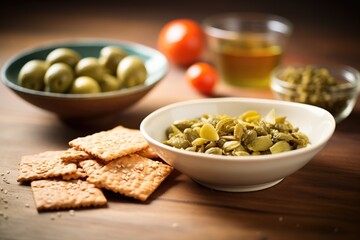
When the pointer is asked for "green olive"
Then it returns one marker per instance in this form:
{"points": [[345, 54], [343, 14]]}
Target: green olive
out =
{"points": [[32, 74], [109, 83], [63, 55], [58, 78], [90, 67], [85, 84], [110, 57], [131, 71]]}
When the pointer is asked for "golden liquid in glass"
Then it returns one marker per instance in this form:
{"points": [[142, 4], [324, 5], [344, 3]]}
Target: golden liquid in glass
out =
{"points": [[248, 62]]}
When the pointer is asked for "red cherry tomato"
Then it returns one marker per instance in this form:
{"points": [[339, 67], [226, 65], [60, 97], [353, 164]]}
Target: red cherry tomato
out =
{"points": [[182, 41], [202, 76]]}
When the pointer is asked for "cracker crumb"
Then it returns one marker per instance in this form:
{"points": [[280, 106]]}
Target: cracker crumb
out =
{"points": [[58, 214], [52, 217], [8, 172], [72, 212], [27, 205]]}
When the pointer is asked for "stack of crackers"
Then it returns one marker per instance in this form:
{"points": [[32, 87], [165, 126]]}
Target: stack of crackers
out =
{"points": [[119, 160]]}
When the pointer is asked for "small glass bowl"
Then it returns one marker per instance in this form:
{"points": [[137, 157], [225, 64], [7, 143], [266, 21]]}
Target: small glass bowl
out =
{"points": [[338, 99]]}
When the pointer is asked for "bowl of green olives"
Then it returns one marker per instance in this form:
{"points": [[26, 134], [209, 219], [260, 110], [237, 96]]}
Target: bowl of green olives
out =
{"points": [[85, 78], [332, 87], [238, 144]]}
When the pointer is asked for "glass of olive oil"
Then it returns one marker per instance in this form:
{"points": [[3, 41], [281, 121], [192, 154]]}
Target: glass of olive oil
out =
{"points": [[246, 47]]}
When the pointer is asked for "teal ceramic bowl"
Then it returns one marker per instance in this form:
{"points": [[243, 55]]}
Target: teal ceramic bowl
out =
{"points": [[82, 106]]}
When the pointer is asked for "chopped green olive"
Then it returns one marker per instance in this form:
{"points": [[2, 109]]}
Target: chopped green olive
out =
{"points": [[245, 135], [316, 86]]}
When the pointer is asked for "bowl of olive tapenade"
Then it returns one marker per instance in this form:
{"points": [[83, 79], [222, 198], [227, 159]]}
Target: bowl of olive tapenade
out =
{"points": [[332, 87], [238, 144], [84, 78]]}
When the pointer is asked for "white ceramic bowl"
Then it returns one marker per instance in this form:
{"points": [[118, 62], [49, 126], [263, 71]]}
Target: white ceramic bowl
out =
{"points": [[243, 173]]}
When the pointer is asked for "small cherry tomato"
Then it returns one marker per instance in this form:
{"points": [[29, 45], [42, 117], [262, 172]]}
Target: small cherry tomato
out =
{"points": [[182, 41], [202, 76]]}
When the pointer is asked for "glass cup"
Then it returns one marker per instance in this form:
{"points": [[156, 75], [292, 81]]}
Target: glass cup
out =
{"points": [[246, 47]]}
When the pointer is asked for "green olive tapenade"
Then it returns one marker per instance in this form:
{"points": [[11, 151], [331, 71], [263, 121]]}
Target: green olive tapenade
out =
{"points": [[247, 134]]}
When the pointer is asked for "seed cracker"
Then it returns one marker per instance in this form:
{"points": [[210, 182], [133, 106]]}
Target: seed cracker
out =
{"points": [[148, 153], [44, 165], [79, 174], [74, 155], [58, 194], [111, 144], [89, 166], [131, 175]]}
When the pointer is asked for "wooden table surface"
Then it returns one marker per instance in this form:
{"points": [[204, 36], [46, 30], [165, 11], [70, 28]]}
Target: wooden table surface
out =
{"points": [[320, 201]]}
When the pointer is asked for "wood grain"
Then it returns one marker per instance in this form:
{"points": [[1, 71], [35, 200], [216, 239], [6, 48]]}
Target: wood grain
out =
{"points": [[320, 201]]}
